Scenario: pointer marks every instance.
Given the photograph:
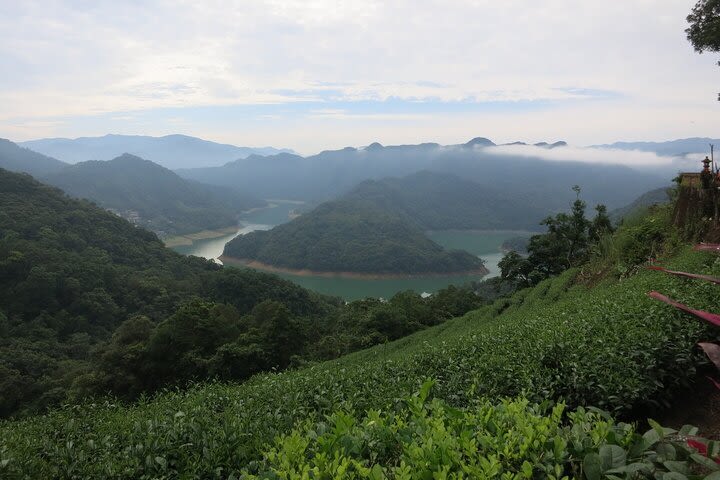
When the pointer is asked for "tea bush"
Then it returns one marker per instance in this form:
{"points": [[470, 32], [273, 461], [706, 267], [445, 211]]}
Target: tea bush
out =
{"points": [[609, 346], [508, 440]]}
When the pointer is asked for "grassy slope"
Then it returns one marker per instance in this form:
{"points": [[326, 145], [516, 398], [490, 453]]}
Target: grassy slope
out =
{"points": [[610, 346]]}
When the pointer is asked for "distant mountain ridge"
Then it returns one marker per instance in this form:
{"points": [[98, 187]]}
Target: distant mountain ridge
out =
{"points": [[170, 151], [18, 159], [331, 173], [679, 147], [151, 195]]}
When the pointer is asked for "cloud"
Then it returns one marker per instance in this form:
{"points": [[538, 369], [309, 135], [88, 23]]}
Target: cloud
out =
{"points": [[631, 158], [79, 61]]}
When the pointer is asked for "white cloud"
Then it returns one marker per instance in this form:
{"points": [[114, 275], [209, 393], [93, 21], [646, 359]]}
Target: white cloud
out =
{"points": [[67, 58], [632, 158]]}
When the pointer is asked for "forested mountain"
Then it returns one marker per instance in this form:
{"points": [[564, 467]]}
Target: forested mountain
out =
{"points": [[351, 235], [440, 201], [170, 151], [153, 196], [332, 173], [91, 304], [18, 159]]}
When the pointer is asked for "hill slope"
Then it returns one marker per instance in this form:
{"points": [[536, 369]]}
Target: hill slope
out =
{"points": [[610, 346], [18, 159], [441, 201], [71, 273], [351, 236], [170, 151], [152, 196], [647, 199]]}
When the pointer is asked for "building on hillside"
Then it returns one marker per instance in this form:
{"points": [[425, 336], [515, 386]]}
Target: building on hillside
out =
{"points": [[699, 196]]}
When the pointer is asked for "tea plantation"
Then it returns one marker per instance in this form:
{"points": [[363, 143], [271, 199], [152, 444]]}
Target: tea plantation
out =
{"points": [[608, 346]]}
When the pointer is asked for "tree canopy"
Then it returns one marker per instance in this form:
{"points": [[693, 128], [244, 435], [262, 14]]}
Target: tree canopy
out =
{"points": [[704, 30]]}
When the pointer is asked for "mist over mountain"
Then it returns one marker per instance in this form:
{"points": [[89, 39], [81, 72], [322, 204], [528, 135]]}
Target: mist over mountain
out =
{"points": [[679, 147], [170, 151], [18, 159], [331, 173], [152, 196]]}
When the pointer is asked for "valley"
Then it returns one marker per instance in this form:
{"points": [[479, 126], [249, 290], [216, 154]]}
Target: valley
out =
{"points": [[485, 244]]}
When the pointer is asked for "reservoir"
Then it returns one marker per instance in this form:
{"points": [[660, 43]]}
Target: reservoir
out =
{"points": [[485, 244]]}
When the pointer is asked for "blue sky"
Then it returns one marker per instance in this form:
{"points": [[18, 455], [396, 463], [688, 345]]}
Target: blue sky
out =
{"points": [[316, 74]]}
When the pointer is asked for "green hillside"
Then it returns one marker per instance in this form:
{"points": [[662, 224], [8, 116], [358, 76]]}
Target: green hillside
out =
{"points": [[90, 304], [609, 346], [351, 236], [152, 196], [441, 201], [658, 196], [72, 273]]}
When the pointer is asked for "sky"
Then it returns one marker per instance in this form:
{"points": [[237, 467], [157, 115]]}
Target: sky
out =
{"points": [[323, 74]]}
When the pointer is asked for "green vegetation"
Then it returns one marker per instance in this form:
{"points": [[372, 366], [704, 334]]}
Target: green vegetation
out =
{"points": [[640, 205], [440, 201], [152, 196], [509, 440], [91, 304], [351, 236], [567, 243], [609, 346]]}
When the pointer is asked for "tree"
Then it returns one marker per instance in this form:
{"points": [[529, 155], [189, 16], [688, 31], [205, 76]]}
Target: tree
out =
{"points": [[515, 268], [704, 30], [601, 224], [565, 245]]}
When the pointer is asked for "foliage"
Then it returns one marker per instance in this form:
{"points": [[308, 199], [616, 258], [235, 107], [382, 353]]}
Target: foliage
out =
{"points": [[441, 201], [351, 236], [566, 245], [509, 440], [642, 204], [610, 346], [704, 29], [639, 238], [91, 304]]}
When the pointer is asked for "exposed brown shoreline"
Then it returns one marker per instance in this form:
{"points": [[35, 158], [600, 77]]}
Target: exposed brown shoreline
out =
{"points": [[356, 275], [189, 238]]}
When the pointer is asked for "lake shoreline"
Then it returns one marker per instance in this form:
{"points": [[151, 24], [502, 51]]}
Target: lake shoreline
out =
{"points": [[189, 238], [480, 272]]}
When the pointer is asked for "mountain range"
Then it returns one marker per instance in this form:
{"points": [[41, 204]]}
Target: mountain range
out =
{"points": [[330, 174], [170, 151], [679, 147], [152, 196], [142, 191]]}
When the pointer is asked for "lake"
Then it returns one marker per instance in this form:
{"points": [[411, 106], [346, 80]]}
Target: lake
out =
{"points": [[485, 244]]}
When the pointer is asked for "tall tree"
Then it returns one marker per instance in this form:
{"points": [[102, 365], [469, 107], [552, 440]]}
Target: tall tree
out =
{"points": [[704, 30]]}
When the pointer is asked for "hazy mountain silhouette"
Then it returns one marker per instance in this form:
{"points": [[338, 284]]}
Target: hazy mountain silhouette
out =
{"points": [[18, 159], [151, 195], [170, 151]]}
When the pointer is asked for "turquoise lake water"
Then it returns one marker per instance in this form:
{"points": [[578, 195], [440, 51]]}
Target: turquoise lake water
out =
{"points": [[485, 244]]}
